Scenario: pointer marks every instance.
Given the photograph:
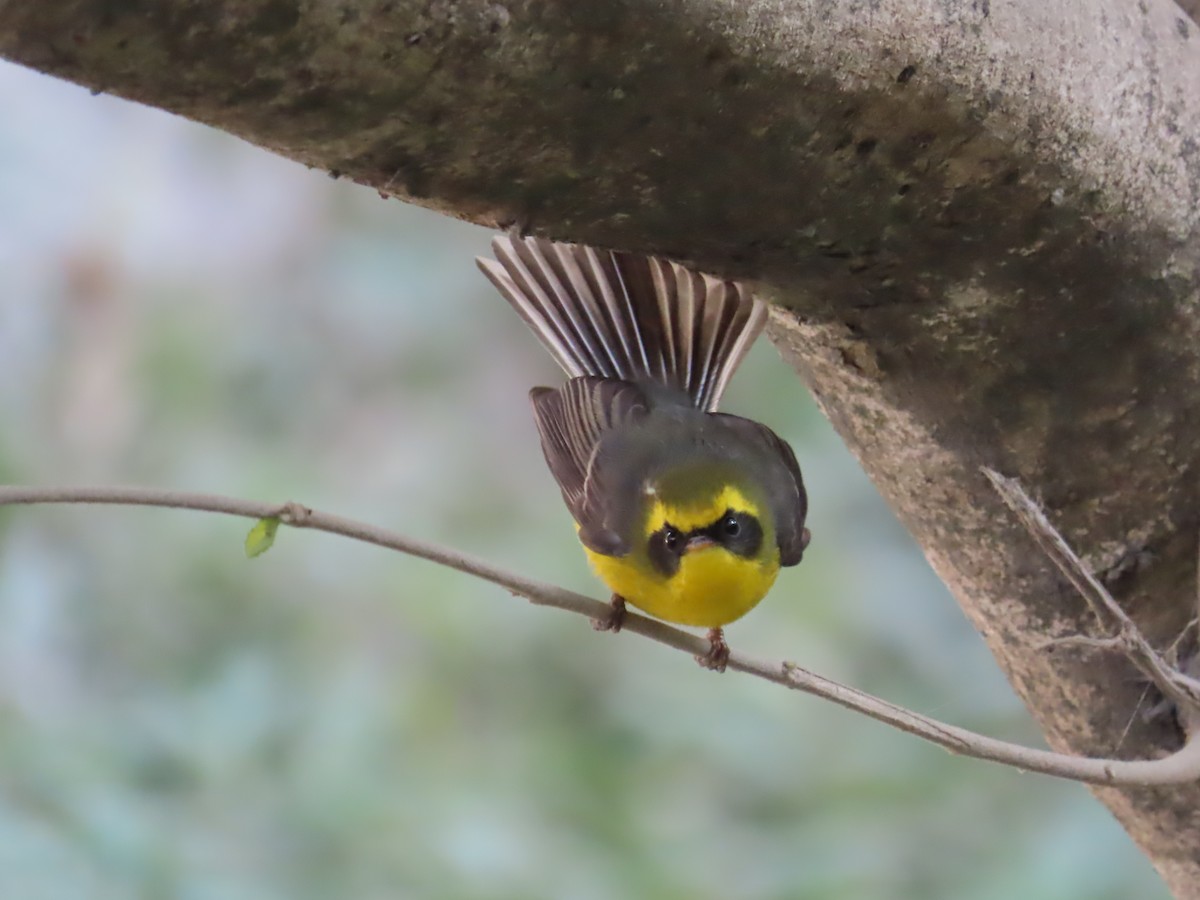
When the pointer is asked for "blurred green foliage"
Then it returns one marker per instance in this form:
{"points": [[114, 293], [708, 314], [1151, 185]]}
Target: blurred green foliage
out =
{"points": [[181, 309]]}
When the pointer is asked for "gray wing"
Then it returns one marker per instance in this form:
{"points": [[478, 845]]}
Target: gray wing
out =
{"points": [[773, 459], [573, 422]]}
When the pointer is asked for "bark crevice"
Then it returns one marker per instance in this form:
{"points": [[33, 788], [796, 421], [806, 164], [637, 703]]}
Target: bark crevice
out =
{"points": [[981, 223]]}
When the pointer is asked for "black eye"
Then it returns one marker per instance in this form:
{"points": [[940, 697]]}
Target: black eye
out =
{"points": [[738, 532], [671, 538], [665, 549]]}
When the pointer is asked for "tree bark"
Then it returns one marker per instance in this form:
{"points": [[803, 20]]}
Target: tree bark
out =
{"points": [[979, 221]]}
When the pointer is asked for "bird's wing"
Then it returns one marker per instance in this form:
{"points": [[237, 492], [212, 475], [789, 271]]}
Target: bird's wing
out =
{"points": [[573, 422], [626, 316], [772, 458]]}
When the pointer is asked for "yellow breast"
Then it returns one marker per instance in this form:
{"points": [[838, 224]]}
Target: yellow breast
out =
{"points": [[712, 588]]}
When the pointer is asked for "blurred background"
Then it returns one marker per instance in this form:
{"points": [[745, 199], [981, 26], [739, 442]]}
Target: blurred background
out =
{"points": [[181, 309]]}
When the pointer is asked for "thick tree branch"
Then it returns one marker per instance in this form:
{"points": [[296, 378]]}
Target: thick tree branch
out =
{"points": [[980, 221], [1181, 766]]}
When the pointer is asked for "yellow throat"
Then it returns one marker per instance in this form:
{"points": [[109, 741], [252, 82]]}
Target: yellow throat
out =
{"points": [[712, 586]]}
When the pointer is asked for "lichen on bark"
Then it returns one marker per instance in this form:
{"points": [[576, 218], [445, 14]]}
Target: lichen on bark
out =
{"points": [[980, 219]]}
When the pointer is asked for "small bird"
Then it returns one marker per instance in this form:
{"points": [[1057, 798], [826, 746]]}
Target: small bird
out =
{"points": [[684, 512]]}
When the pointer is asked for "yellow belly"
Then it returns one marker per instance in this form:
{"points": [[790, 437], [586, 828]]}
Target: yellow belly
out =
{"points": [[713, 587]]}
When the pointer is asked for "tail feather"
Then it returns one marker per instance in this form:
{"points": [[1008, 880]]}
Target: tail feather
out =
{"points": [[620, 315]]}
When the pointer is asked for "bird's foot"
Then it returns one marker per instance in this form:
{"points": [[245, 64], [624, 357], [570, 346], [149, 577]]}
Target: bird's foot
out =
{"points": [[717, 656], [615, 618]]}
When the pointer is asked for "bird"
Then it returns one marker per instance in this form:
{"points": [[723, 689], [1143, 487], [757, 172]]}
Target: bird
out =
{"points": [[684, 512]]}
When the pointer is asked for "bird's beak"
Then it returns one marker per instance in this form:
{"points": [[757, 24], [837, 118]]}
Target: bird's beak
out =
{"points": [[698, 542]]}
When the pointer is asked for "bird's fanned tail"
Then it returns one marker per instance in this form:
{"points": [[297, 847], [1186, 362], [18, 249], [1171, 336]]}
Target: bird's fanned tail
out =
{"points": [[626, 316]]}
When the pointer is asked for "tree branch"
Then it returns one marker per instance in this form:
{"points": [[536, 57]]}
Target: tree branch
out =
{"points": [[982, 222], [1180, 688], [1181, 766]]}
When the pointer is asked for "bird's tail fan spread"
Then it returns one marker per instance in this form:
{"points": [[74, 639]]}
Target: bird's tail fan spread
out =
{"points": [[621, 315]]}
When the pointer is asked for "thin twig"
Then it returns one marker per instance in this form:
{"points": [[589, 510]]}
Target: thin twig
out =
{"points": [[1081, 642], [1177, 686], [1182, 766]]}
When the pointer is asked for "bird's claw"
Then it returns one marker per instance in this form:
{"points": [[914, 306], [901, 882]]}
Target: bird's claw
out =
{"points": [[615, 618], [718, 652]]}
